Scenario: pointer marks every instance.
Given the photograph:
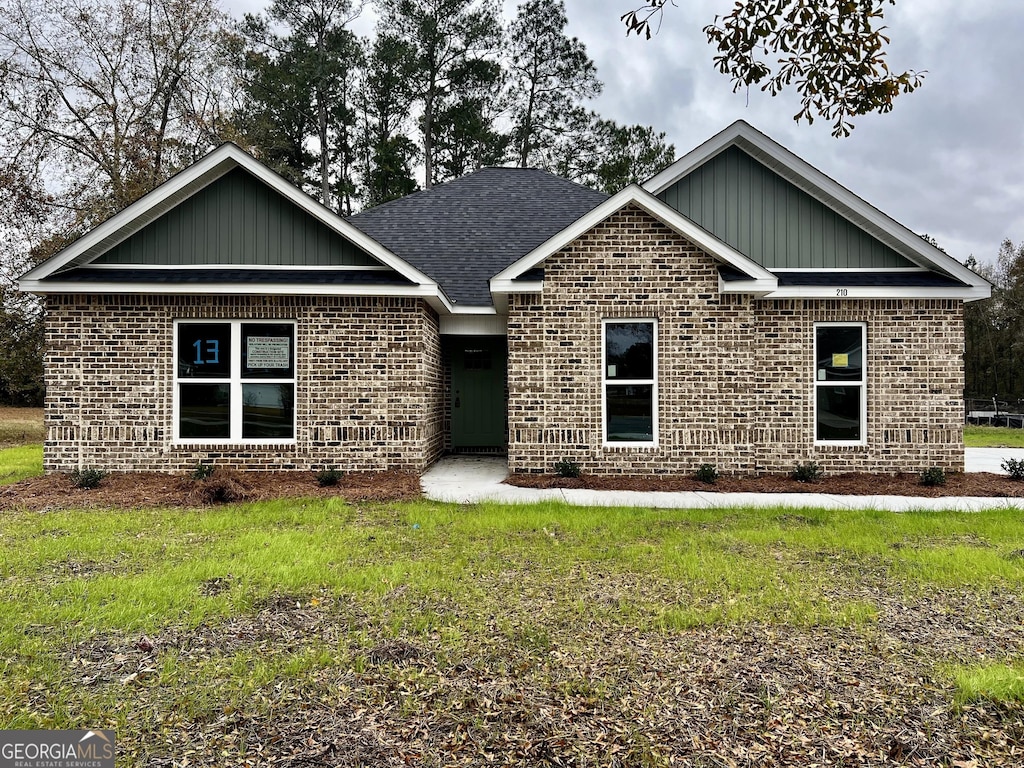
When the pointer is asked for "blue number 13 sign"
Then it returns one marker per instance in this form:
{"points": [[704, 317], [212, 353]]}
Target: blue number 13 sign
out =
{"points": [[207, 351]]}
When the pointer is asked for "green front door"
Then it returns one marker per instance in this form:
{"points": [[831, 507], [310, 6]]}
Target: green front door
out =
{"points": [[478, 391]]}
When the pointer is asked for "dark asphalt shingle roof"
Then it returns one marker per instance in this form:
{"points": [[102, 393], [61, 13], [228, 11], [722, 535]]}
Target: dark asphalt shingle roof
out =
{"points": [[466, 231]]}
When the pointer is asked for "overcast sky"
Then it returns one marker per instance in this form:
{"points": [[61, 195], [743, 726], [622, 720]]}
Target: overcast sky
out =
{"points": [[947, 161]]}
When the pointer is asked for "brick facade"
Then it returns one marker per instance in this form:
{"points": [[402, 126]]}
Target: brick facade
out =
{"points": [[368, 392], [735, 373]]}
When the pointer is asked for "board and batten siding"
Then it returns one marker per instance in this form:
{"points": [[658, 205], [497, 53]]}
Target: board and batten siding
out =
{"points": [[237, 220], [765, 217]]}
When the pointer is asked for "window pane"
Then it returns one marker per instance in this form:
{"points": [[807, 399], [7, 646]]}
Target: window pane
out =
{"points": [[840, 353], [630, 413], [629, 350], [204, 350], [268, 351], [204, 410], [268, 410], [838, 413]]}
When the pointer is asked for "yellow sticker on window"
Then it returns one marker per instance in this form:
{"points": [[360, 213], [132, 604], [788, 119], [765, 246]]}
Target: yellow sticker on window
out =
{"points": [[841, 361]]}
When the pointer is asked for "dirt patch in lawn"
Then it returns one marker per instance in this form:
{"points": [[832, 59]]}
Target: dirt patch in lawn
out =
{"points": [[853, 483], [155, 489], [760, 695]]}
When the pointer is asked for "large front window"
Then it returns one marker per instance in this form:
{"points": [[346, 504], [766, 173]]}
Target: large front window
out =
{"points": [[629, 382], [235, 381], [839, 383]]}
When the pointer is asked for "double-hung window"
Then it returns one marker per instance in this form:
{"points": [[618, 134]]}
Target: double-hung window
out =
{"points": [[234, 381], [629, 386], [840, 397]]}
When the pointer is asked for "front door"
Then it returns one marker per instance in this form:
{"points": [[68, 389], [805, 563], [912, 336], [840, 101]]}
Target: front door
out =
{"points": [[478, 391]]}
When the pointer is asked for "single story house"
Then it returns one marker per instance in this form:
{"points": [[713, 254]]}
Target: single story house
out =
{"points": [[740, 309]]}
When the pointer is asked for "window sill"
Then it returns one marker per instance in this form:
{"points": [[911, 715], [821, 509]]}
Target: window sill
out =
{"points": [[233, 443]]}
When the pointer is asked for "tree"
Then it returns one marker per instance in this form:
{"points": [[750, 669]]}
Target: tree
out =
{"points": [[299, 106], [994, 330], [550, 76], [606, 156], [831, 51], [452, 39], [112, 96], [385, 100]]}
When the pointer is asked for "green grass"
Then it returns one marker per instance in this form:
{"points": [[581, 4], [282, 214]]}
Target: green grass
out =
{"points": [[992, 682], [20, 462], [21, 426], [488, 586], [993, 437]]}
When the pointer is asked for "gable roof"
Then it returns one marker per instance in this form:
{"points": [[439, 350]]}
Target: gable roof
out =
{"points": [[189, 182], [463, 232], [756, 279], [826, 190]]}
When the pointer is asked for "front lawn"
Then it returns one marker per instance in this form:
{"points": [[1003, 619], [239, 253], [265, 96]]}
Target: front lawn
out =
{"points": [[993, 437], [20, 462], [324, 633]]}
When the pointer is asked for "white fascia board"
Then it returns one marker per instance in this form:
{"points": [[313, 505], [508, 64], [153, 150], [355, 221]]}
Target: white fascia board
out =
{"points": [[757, 287], [966, 293], [821, 187], [429, 293], [634, 195], [192, 180], [473, 325], [516, 286], [239, 267]]}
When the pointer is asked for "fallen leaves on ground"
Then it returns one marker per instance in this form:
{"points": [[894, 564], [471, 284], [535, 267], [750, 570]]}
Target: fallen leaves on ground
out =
{"points": [[853, 483]]}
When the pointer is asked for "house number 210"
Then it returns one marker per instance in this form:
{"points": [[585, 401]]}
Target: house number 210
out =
{"points": [[842, 291], [212, 351]]}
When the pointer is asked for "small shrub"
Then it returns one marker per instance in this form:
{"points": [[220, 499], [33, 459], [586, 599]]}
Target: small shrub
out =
{"points": [[87, 477], [1014, 468], [933, 476], [808, 472], [223, 486], [202, 471], [568, 468], [706, 473], [328, 477]]}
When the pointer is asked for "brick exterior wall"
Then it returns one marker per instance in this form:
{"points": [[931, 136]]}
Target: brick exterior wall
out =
{"points": [[368, 391], [735, 373]]}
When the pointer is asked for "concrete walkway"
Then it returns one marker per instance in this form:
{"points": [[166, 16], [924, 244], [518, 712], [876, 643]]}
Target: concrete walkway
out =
{"points": [[471, 479]]}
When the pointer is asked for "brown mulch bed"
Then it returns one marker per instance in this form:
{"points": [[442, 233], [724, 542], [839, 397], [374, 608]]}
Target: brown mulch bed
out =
{"points": [[852, 483], [155, 489]]}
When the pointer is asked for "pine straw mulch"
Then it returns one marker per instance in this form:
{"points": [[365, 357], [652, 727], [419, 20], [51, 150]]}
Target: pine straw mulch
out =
{"points": [[609, 695], [852, 483], [154, 489]]}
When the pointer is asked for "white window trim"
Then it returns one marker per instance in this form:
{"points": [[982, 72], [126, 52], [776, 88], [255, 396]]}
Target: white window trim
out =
{"points": [[863, 384], [653, 382], [235, 381]]}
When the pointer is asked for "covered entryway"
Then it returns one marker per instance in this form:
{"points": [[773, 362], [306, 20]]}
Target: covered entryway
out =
{"points": [[477, 399]]}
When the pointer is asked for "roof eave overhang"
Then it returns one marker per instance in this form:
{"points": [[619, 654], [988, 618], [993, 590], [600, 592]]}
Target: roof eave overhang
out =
{"points": [[432, 294], [187, 183], [506, 281], [965, 293], [821, 187]]}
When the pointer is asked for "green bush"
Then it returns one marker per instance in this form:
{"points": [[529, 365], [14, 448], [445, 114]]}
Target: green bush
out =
{"points": [[202, 471], [933, 476], [808, 472], [328, 477], [87, 477], [568, 468], [706, 473], [1014, 468]]}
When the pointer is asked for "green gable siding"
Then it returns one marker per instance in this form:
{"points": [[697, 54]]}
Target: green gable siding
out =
{"points": [[237, 220], [766, 218]]}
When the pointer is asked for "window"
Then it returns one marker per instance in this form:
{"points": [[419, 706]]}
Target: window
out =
{"points": [[235, 381], [839, 383], [629, 382]]}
